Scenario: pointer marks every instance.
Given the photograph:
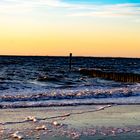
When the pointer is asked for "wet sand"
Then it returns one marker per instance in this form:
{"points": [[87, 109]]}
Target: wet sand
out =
{"points": [[77, 122]]}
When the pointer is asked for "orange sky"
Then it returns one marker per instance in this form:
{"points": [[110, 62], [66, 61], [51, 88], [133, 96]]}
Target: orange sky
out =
{"points": [[59, 30]]}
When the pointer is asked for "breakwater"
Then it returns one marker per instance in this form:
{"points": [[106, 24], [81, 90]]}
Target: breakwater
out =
{"points": [[120, 77]]}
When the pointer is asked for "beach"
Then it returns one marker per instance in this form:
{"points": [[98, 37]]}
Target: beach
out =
{"points": [[74, 122]]}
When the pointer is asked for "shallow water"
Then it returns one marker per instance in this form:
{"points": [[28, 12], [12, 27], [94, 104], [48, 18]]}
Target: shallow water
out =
{"points": [[47, 81]]}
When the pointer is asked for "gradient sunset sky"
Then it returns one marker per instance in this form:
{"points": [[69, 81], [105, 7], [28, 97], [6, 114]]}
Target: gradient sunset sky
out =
{"points": [[58, 27]]}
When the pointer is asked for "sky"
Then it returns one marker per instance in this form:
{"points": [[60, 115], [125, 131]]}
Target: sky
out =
{"points": [[105, 28]]}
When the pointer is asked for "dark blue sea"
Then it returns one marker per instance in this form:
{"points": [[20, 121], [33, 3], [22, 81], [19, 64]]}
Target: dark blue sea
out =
{"points": [[47, 81]]}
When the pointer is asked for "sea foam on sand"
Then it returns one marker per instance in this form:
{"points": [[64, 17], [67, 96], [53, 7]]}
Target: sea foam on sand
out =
{"points": [[82, 122]]}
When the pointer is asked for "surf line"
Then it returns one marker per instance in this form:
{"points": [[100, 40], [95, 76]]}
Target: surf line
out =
{"points": [[59, 116], [76, 113]]}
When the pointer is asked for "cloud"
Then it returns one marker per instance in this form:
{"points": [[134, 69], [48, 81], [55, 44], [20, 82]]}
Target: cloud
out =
{"points": [[73, 9], [115, 10], [14, 6], [25, 6], [136, 20]]}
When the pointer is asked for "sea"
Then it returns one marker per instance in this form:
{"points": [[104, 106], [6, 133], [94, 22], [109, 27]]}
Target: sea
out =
{"points": [[43, 81]]}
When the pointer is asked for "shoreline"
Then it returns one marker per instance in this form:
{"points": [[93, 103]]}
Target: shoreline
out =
{"points": [[6, 107], [73, 122]]}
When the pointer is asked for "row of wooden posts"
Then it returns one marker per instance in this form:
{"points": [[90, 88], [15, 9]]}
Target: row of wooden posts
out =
{"points": [[120, 77]]}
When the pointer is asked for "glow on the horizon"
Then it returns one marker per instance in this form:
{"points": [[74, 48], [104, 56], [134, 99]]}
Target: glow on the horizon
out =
{"points": [[57, 27]]}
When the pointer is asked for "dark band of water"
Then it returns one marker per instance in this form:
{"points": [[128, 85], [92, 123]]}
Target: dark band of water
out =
{"points": [[36, 81]]}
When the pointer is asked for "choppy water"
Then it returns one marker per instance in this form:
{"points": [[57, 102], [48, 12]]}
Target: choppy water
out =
{"points": [[46, 81]]}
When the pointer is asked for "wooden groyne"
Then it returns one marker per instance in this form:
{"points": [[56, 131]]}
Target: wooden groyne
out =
{"points": [[120, 77]]}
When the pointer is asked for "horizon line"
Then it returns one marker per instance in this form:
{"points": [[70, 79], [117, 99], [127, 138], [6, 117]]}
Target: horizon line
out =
{"points": [[14, 55]]}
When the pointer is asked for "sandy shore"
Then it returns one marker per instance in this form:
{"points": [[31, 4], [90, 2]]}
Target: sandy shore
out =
{"points": [[77, 122]]}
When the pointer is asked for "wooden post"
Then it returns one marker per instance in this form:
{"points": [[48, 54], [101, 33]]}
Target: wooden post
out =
{"points": [[70, 63]]}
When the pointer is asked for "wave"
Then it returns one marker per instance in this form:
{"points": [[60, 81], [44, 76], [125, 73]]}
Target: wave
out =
{"points": [[73, 97], [77, 102], [86, 93]]}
